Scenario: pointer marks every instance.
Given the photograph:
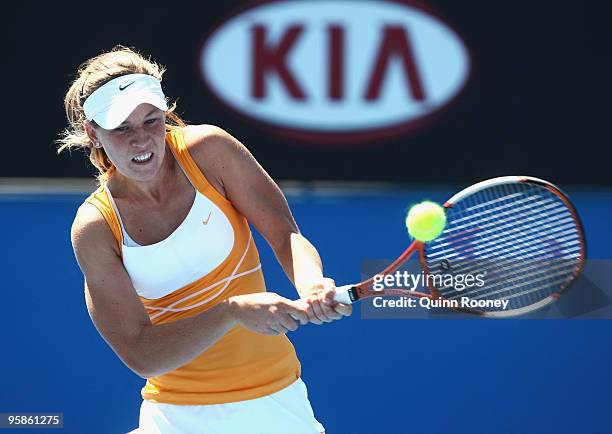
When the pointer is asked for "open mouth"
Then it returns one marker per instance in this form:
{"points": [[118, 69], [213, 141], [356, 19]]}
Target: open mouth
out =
{"points": [[143, 158]]}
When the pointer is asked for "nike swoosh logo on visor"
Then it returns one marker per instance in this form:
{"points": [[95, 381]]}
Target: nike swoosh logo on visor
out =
{"points": [[126, 86]]}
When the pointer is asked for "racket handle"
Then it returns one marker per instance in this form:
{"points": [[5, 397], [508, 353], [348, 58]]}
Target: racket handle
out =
{"points": [[345, 294]]}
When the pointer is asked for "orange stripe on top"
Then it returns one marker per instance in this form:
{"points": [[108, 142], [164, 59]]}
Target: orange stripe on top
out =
{"points": [[100, 200], [242, 364]]}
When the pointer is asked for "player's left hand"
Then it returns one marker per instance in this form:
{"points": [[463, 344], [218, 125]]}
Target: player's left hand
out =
{"points": [[321, 306]]}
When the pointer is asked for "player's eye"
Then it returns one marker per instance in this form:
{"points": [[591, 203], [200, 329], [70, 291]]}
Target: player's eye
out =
{"points": [[151, 121]]}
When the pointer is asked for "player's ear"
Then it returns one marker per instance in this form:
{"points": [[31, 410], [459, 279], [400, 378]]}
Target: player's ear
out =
{"points": [[91, 133]]}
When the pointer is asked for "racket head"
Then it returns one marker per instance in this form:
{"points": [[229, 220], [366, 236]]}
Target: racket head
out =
{"points": [[522, 233]]}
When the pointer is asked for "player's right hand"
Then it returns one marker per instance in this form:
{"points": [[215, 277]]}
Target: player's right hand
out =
{"points": [[267, 313]]}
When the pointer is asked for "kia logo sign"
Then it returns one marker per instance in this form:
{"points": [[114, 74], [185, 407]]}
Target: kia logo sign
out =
{"points": [[333, 70]]}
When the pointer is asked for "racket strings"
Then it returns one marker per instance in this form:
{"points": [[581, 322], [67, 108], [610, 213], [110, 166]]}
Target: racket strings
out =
{"points": [[508, 268], [506, 239], [510, 253], [521, 235], [504, 244], [498, 211], [552, 221], [503, 273], [530, 220], [531, 275], [531, 290], [531, 227]]}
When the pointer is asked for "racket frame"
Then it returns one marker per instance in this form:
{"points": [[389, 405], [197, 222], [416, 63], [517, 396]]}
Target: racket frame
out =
{"points": [[349, 294]]}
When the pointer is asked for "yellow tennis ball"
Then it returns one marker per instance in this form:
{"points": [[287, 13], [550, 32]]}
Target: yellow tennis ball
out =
{"points": [[425, 221]]}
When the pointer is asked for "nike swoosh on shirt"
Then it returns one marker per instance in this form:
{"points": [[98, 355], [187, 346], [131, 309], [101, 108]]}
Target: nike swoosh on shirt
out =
{"points": [[205, 222]]}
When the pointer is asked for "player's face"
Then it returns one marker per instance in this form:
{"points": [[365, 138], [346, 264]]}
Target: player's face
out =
{"points": [[137, 146]]}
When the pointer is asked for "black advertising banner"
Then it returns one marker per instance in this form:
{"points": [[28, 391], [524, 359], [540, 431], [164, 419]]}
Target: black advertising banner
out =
{"points": [[363, 90]]}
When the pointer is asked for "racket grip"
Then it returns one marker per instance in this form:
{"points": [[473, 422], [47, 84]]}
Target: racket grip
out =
{"points": [[343, 294]]}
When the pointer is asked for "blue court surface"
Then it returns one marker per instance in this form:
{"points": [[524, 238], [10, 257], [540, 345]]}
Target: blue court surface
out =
{"points": [[364, 376]]}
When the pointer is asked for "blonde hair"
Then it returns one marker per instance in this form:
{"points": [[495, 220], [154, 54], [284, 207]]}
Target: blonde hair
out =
{"points": [[92, 74]]}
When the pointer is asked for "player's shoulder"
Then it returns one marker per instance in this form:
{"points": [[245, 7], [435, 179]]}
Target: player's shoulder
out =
{"points": [[209, 142], [195, 133], [90, 228]]}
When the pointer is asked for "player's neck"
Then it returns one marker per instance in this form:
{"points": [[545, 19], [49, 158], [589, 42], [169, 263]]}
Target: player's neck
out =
{"points": [[155, 191]]}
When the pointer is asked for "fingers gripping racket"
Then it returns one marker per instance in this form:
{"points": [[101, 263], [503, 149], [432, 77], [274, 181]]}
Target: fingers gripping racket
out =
{"points": [[522, 233]]}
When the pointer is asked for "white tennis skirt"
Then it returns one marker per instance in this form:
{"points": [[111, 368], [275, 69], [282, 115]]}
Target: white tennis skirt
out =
{"points": [[286, 411]]}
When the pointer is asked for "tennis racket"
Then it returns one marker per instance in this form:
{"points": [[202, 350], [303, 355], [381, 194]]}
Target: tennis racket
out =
{"points": [[522, 235]]}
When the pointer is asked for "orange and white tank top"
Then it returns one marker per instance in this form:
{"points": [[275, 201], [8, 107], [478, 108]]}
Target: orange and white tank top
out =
{"points": [[210, 257]]}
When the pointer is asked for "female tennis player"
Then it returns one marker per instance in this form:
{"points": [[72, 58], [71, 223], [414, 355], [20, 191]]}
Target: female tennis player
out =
{"points": [[173, 281]]}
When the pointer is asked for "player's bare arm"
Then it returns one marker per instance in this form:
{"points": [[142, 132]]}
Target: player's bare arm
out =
{"points": [[236, 174]]}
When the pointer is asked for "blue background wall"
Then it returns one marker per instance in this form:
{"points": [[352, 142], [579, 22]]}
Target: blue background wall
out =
{"points": [[364, 376]]}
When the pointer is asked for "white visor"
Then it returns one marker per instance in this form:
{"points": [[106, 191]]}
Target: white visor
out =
{"points": [[112, 103]]}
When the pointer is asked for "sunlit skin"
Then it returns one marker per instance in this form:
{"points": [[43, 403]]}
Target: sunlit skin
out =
{"points": [[151, 185], [143, 131]]}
